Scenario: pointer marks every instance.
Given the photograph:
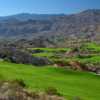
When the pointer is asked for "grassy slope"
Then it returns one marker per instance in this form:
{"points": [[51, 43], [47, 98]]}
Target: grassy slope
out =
{"points": [[69, 83], [50, 53], [51, 49]]}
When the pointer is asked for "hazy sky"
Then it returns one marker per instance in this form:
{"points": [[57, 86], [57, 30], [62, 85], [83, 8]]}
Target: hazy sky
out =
{"points": [[8, 7]]}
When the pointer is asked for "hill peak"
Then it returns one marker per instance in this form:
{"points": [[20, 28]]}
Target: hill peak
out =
{"points": [[91, 11]]}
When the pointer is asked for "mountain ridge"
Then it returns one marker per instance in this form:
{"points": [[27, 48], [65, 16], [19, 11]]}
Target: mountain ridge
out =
{"points": [[27, 16], [86, 24]]}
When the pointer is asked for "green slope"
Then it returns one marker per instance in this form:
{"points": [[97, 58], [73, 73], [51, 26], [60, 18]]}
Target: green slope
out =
{"points": [[69, 83]]}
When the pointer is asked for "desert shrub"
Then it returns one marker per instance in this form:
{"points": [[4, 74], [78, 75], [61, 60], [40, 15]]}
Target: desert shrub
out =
{"points": [[84, 56], [19, 82], [52, 91], [75, 49]]}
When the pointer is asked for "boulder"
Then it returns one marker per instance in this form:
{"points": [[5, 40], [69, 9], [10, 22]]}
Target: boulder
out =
{"points": [[40, 61], [98, 71], [20, 56]]}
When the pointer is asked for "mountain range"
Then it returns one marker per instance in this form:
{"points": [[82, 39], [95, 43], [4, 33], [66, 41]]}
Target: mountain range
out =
{"points": [[29, 26]]}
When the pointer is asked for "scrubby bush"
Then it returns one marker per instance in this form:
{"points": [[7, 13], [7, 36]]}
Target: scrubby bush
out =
{"points": [[52, 91], [81, 56], [19, 82], [77, 98]]}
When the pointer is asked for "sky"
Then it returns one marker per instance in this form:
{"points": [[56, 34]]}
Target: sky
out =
{"points": [[9, 7]]}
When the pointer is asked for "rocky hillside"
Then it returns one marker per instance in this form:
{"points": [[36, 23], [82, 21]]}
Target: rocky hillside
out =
{"points": [[84, 24], [15, 90]]}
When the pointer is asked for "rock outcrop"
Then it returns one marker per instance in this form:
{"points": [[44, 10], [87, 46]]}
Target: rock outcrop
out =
{"points": [[15, 91]]}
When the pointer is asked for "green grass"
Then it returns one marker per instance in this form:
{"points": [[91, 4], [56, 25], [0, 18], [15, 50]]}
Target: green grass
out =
{"points": [[53, 54], [94, 59], [92, 46], [50, 53], [68, 83], [51, 49], [44, 54]]}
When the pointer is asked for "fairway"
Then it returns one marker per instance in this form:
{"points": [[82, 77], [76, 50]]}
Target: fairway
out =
{"points": [[68, 83]]}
